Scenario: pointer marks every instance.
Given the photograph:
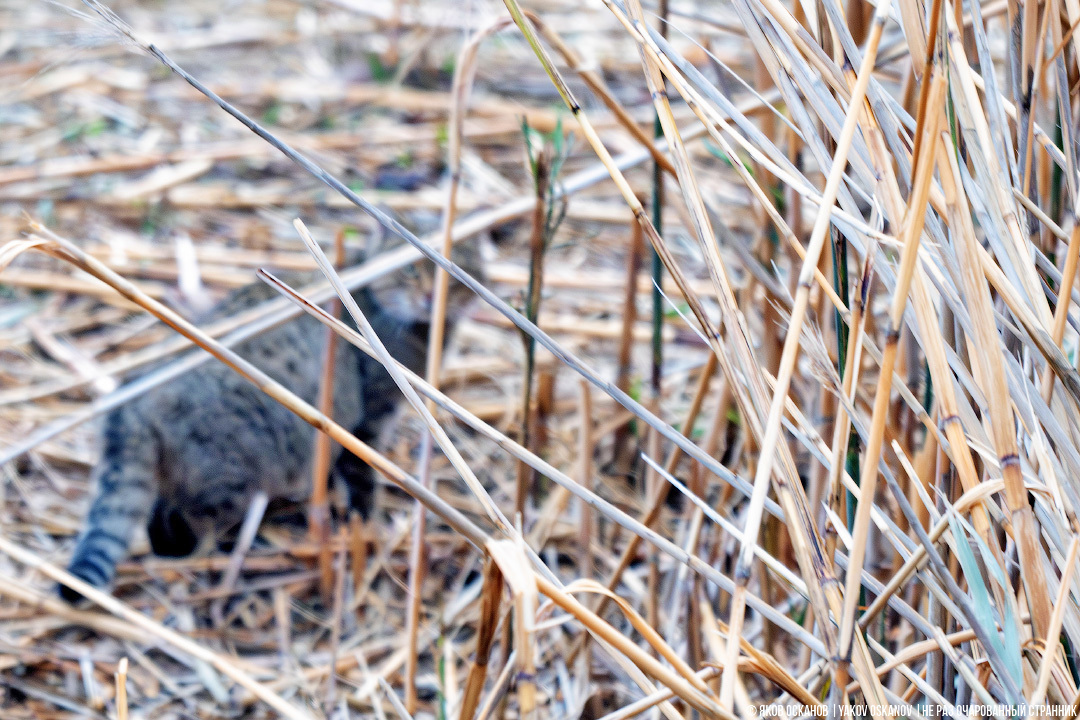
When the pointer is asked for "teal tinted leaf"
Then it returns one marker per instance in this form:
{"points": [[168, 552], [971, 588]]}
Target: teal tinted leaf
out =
{"points": [[984, 612]]}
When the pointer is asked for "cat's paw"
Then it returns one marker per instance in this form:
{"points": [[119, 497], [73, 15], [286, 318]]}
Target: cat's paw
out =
{"points": [[169, 534], [359, 481], [71, 595]]}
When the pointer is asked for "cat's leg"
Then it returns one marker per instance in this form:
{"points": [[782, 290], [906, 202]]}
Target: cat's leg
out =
{"points": [[220, 505], [170, 534], [357, 476], [126, 486]]}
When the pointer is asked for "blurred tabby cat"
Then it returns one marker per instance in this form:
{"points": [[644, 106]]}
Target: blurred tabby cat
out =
{"points": [[186, 458]]}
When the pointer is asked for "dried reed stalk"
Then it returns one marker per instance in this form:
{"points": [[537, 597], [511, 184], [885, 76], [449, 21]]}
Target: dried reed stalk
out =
{"points": [[489, 617], [319, 505]]}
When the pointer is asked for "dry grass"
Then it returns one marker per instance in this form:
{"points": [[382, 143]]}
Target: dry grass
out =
{"points": [[830, 466]]}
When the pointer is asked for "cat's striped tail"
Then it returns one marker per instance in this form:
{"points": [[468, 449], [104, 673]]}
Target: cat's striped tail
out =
{"points": [[126, 486]]}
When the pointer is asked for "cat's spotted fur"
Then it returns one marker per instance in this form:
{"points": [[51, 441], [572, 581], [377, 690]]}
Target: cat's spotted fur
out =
{"points": [[186, 458]]}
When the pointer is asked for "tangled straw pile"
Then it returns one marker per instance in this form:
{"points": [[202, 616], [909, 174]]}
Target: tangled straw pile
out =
{"points": [[837, 473]]}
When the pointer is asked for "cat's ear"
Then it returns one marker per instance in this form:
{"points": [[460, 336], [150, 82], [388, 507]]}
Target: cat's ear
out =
{"points": [[380, 240], [355, 253], [471, 254], [505, 233]]}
